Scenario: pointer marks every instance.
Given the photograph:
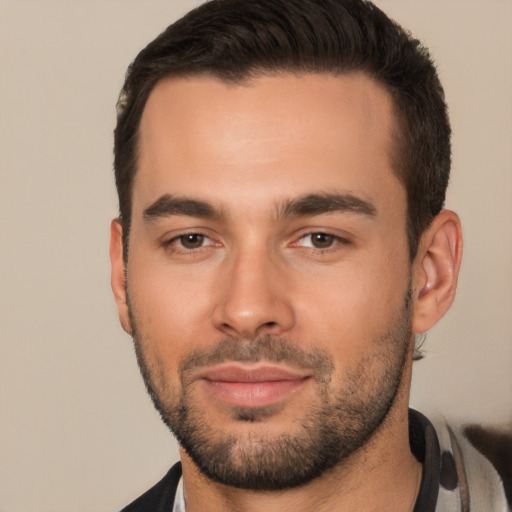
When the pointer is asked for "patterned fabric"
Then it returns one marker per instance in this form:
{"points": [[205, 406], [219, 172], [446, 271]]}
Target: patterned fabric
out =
{"points": [[468, 481], [456, 476]]}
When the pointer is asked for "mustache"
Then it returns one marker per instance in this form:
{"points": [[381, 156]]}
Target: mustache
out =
{"points": [[264, 348]]}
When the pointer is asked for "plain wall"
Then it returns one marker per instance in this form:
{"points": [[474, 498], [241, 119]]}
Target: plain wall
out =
{"points": [[77, 431]]}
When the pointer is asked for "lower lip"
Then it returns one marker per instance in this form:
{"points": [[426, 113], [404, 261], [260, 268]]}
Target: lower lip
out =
{"points": [[254, 394]]}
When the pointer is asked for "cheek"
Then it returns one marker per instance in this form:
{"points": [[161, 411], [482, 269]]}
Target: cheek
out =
{"points": [[171, 307], [349, 310]]}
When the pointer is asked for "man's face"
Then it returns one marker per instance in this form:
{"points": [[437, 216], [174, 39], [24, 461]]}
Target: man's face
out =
{"points": [[268, 275]]}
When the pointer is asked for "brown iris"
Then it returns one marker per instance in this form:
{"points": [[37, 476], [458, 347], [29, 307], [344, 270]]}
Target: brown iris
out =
{"points": [[321, 240], [192, 241]]}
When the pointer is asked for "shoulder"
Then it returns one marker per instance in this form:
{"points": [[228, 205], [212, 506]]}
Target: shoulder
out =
{"points": [[160, 497], [481, 460]]}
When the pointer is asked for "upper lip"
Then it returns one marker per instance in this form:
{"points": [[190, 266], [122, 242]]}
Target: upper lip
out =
{"points": [[250, 372]]}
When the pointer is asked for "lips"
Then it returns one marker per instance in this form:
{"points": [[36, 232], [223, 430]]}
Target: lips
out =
{"points": [[251, 385]]}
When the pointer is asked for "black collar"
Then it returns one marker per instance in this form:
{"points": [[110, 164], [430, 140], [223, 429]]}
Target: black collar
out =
{"points": [[425, 447]]}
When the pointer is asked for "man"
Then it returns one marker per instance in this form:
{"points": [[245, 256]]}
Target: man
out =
{"points": [[281, 169]]}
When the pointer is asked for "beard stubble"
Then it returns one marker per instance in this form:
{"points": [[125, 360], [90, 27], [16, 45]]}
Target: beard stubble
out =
{"points": [[335, 425]]}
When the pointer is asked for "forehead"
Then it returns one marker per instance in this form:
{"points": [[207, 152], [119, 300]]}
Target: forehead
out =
{"points": [[275, 135]]}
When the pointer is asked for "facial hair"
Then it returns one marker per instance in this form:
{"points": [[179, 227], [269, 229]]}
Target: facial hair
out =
{"points": [[341, 419]]}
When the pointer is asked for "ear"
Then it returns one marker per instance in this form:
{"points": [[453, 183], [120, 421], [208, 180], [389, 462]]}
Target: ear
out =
{"points": [[118, 276], [436, 270]]}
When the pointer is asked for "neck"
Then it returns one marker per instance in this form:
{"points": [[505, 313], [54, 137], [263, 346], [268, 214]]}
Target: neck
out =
{"points": [[383, 475]]}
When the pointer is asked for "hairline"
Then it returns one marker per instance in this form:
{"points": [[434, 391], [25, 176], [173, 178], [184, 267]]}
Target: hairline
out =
{"points": [[247, 78]]}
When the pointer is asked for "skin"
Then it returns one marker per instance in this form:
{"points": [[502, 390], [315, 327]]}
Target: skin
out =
{"points": [[247, 150]]}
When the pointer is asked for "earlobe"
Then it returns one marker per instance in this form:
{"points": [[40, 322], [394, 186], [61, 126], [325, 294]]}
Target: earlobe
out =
{"points": [[436, 270], [118, 277]]}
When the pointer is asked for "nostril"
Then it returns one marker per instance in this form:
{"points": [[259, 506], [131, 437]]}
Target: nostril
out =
{"points": [[267, 328]]}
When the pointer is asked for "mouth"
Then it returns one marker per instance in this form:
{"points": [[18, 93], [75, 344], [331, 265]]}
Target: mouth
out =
{"points": [[251, 385]]}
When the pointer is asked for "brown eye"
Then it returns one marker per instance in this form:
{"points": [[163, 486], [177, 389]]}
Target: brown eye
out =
{"points": [[191, 241], [322, 240]]}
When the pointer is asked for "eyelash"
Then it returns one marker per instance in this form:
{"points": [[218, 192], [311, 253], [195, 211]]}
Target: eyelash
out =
{"points": [[175, 244], [334, 239]]}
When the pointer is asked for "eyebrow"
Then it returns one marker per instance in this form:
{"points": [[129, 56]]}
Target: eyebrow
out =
{"points": [[318, 204], [168, 205], [308, 205]]}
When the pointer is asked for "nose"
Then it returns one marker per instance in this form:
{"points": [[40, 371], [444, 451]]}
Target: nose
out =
{"points": [[254, 298]]}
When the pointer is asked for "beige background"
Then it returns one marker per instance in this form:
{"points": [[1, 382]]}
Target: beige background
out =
{"points": [[77, 432]]}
